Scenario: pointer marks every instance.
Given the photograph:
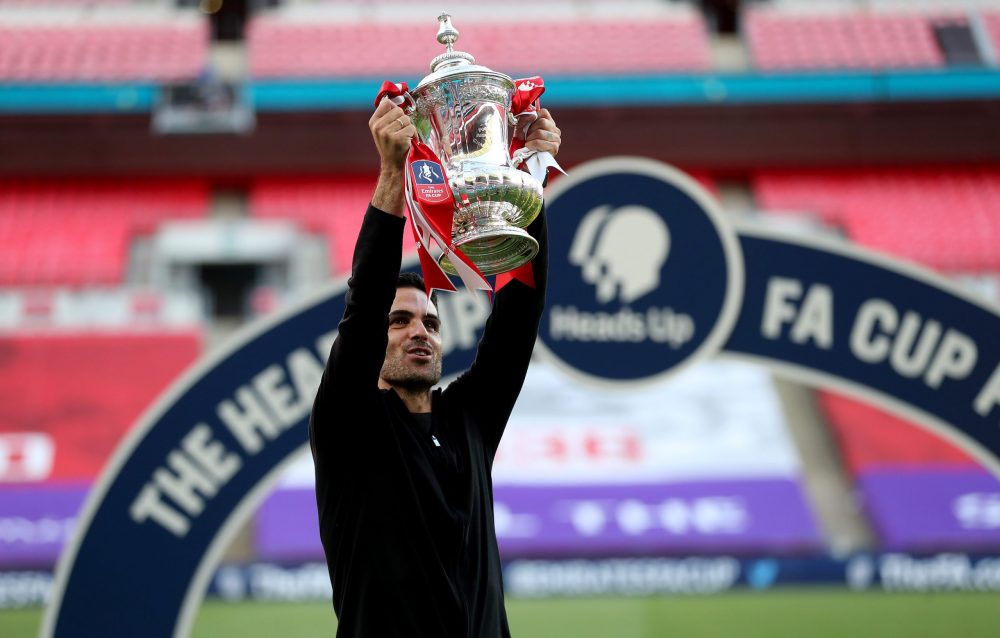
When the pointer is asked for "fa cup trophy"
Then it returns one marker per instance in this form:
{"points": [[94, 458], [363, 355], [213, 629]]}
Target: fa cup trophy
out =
{"points": [[463, 112]]}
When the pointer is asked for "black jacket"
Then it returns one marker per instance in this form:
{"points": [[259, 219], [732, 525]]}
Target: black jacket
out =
{"points": [[406, 524]]}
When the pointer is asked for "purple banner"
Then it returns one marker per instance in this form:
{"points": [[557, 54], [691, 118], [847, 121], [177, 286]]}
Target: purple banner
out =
{"points": [[761, 515], [35, 523], [287, 526], [933, 510]]}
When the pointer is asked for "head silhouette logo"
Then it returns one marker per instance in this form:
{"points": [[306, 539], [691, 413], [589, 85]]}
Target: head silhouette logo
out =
{"points": [[621, 251], [649, 278]]}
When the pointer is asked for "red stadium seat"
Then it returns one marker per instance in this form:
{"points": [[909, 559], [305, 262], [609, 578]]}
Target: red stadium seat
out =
{"points": [[78, 233], [991, 21], [331, 207], [280, 47], [157, 49], [849, 40], [870, 439], [948, 220], [85, 390]]}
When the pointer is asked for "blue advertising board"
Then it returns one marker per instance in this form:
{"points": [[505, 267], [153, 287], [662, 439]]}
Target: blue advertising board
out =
{"points": [[647, 276]]}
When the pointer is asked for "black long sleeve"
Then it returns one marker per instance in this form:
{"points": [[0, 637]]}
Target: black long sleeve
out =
{"points": [[494, 380]]}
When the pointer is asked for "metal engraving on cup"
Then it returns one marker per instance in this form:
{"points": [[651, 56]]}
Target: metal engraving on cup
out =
{"points": [[463, 114]]}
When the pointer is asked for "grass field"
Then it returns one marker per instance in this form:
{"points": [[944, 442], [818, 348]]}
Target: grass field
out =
{"points": [[775, 614]]}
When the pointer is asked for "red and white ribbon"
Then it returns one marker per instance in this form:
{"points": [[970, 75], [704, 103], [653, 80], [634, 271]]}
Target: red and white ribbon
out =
{"points": [[524, 106], [431, 205]]}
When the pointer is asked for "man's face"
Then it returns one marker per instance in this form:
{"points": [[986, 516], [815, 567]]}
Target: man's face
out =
{"points": [[413, 354]]}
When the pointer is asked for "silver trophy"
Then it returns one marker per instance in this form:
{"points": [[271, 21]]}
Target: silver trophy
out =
{"points": [[463, 114]]}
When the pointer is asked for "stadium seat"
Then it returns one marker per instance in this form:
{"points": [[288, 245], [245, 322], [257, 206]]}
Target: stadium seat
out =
{"points": [[78, 233], [871, 439], [330, 207], [86, 389], [947, 220], [86, 48], [279, 47], [991, 20], [779, 40]]}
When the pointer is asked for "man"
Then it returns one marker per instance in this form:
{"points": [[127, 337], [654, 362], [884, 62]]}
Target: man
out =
{"points": [[403, 480]]}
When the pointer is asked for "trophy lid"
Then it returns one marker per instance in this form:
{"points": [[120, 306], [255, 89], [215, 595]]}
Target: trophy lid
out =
{"points": [[453, 62]]}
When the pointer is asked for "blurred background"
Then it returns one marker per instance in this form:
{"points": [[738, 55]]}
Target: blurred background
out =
{"points": [[173, 170]]}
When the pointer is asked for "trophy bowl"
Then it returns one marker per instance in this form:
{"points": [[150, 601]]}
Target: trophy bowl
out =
{"points": [[462, 112]]}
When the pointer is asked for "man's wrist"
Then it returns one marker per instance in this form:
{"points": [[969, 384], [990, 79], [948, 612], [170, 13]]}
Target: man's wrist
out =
{"points": [[391, 173], [388, 195]]}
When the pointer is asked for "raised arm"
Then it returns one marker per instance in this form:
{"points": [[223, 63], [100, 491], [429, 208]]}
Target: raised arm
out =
{"points": [[494, 380], [359, 350]]}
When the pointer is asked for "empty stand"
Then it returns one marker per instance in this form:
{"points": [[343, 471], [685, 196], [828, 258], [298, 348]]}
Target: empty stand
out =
{"points": [[333, 208], [281, 47], [991, 21], [819, 194], [780, 40], [77, 233], [85, 390], [948, 220], [872, 439], [161, 47]]}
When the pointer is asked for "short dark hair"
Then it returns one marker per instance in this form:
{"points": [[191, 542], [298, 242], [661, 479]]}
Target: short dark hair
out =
{"points": [[413, 280]]}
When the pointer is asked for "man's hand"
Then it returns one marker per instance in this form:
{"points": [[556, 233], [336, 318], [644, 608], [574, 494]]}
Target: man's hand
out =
{"points": [[393, 132], [543, 134]]}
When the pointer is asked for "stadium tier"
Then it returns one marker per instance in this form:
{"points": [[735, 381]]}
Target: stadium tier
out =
{"points": [[814, 36], [279, 46], [105, 381], [332, 207], [946, 219], [108, 46], [787, 41], [78, 233]]}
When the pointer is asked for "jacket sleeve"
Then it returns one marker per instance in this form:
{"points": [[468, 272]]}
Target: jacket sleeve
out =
{"points": [[349, 383], [491, 385]]}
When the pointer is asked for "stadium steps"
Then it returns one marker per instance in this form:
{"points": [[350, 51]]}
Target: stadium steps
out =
{"points": [[824, 478]]}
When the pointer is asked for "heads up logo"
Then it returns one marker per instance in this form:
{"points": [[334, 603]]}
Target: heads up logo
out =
{"points": [[645, 276], [621, 251]]}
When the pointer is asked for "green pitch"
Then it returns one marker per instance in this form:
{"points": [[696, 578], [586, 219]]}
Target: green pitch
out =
{"points": [[775, 614]]}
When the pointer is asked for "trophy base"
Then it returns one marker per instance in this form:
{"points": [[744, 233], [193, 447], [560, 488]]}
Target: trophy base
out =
{"points": [[495, 251]]}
